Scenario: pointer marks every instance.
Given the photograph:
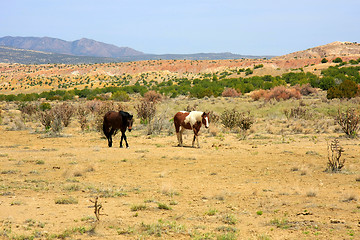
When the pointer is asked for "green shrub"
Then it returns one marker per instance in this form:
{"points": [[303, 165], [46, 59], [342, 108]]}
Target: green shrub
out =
{"points": [[324, 60], [163, 206], [248, 71], [140, 207], [337, 60], [69, 200], [121, 96], [326, 83], [346, 89], [45, 106], [353, 62]]}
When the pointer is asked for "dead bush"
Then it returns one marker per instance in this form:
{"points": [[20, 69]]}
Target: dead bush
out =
{"points": [[55, 124], [65, 112], [152, 96], [349, 121], [45, 118], [160, 123], [190, 108], [258, 94], [146, 111], [335, 163], [306, 89], [16, 124], [230, 92], [297, 112], [102, 107], [232, 119], [28, 108], [278, 93], [82, 115], [51, 120], [283, 93], [214, 117]]}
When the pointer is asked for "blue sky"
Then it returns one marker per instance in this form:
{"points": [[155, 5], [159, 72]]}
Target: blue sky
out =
{"points": [[257, 27]]}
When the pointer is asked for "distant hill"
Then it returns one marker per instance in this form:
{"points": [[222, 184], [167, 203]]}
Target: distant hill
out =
{"points": [[82, 47], [334, 49], [194, 56], [14, 50], [23, 56]]}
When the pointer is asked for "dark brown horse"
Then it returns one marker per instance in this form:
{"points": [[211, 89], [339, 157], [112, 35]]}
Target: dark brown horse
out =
{"points": [[114, 121], [190, 120]]}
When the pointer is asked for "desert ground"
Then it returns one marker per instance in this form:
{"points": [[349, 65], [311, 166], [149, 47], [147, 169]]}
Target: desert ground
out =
{"points": [[267, 183], [19, 78]]}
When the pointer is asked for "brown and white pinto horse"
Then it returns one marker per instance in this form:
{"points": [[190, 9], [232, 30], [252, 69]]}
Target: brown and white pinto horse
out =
{"points": [[190, 120]]}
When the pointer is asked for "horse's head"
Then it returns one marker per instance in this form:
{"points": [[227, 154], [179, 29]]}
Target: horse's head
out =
{"points": [[205, 119], [130, 121]]}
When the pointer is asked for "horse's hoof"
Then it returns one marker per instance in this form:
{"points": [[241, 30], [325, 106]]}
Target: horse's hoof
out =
{"points": [[121, 146], [127, 147]]}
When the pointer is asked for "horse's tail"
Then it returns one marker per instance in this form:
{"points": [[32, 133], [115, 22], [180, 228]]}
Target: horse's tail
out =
{"points": [[105, 129]]}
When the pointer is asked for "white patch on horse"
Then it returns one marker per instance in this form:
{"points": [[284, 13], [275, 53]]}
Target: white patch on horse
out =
{"points": [[183, 111], [207, 122], [193, 117]]}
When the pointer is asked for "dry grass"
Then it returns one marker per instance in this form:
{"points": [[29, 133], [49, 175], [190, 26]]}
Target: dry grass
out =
{"points": [[228, 189]]}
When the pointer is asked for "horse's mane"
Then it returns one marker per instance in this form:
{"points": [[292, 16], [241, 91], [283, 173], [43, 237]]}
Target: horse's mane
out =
{"points": [[126, 114], [193, 117]]}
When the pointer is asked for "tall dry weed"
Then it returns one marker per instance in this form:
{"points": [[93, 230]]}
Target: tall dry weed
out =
{"points": [[335, 163]]}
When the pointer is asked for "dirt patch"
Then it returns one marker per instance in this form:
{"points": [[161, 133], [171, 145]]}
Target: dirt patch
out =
{"points": [[270, 187]]}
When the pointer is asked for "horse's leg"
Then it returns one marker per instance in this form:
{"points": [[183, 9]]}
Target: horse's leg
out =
{"points": [[109, 137], [122, 137], [197, 139], [181, 138], [127, 145], [178, 137], [177, 130], [196, 136]]}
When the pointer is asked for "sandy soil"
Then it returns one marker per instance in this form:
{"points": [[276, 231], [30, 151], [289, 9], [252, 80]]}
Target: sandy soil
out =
{"points": [[269, 187]]}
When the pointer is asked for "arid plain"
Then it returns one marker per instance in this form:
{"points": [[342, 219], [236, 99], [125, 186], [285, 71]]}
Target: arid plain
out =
{"points": [[269, 183]]}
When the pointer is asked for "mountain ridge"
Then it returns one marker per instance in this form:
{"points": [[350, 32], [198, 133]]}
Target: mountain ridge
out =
{"points": [[81, 47], [94, 52]]}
